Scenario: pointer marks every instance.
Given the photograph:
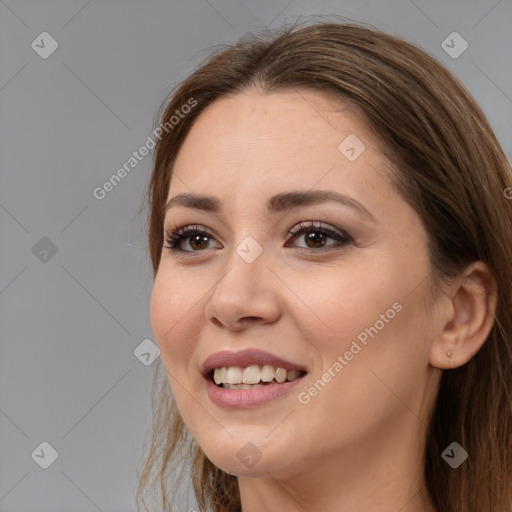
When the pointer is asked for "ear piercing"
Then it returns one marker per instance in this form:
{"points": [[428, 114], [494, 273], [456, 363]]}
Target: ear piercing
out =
{"points": [[449, 353]]}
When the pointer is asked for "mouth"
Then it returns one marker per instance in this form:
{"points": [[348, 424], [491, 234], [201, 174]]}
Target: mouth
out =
{"points": [[253, 376], [249, 378]]}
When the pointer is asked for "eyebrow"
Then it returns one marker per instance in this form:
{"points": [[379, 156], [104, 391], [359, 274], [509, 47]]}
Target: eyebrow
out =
{"points": [[276, 204]]}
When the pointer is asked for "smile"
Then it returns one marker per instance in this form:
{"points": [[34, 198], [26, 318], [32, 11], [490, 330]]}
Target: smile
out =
{"points": [[235, 377], [248, 378]]}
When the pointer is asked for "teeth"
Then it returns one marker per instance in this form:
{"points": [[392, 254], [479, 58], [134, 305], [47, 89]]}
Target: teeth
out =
{"points": [[220, 375], [292, 375], [235, 377], [242, 386], [280, 375], [251, 375], [267, 373]]}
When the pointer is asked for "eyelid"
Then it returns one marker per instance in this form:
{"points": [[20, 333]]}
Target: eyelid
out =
{"points": [[321, 226], [340, 236], [177, 234]]}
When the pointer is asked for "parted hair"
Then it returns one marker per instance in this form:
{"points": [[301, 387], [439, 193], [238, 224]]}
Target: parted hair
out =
{"points": [[449, 167]]}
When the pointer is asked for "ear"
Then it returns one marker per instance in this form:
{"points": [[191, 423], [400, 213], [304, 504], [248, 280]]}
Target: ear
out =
{"points": [[469, 312]]}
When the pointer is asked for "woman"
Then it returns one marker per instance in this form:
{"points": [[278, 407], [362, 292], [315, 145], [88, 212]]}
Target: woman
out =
{"points": [[330, 237]]}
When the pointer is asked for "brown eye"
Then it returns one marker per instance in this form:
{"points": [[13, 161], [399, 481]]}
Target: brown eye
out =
{"points": [[316, 236], [198, 239], [315, 239]]}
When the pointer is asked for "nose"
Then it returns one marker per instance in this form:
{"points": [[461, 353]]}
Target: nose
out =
{"points": [[246, 294]]}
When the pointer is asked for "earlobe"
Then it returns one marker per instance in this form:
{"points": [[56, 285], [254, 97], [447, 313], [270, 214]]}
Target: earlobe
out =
{"points": [[472, 307], [443, 353]]}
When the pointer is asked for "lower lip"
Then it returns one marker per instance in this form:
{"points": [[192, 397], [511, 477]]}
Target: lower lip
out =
{"points": [[241, 398]]}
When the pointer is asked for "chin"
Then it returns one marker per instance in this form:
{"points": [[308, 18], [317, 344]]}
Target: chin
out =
{"points": [[251, 456]]}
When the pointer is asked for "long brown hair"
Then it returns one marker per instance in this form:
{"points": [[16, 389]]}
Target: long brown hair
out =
{"points": [[449, 167]]}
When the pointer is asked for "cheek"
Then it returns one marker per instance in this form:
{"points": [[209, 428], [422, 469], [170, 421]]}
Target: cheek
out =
{"points": [[342, 302], [381, 338], [173, 310], [369, 317], [382, 367]]}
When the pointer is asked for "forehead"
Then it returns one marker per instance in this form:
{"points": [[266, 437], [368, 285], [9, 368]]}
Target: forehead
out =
{"points": [[285, 138], [284, 119]]}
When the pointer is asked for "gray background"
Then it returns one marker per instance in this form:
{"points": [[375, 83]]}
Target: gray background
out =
{"points": [[70, 321]]}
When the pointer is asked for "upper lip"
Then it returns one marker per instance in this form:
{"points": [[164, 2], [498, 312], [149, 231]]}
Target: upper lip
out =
{"points": [[246, 358]]}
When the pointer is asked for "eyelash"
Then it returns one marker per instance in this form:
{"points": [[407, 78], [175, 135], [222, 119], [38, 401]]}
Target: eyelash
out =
{"points": [[174, 237]]}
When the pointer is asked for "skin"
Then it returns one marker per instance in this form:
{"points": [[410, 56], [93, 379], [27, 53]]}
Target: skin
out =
{"points": [[358, 444]]}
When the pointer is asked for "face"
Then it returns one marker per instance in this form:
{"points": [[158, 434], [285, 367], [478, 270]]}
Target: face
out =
{"points": [[334, 292]]}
